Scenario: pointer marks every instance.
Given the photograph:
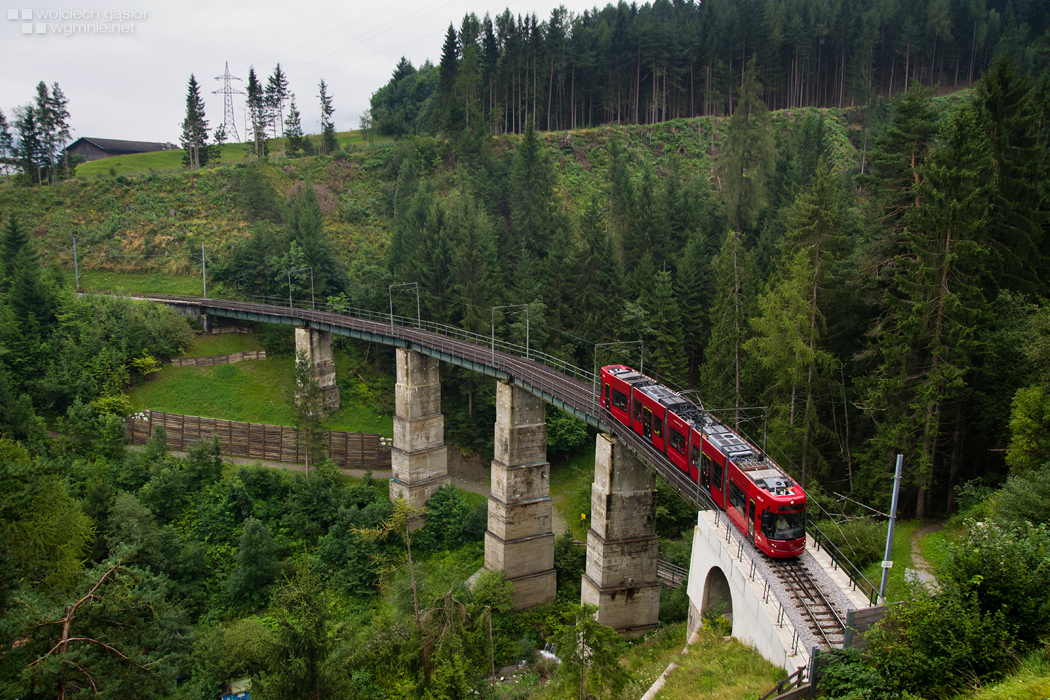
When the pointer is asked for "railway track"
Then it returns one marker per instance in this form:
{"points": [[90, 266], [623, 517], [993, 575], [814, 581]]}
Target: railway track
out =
{"points": [[820, 615]]}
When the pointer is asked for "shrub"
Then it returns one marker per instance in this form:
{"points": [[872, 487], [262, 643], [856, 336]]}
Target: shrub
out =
{"points": [[862, 541], [1024, 498], [1003, 571]]}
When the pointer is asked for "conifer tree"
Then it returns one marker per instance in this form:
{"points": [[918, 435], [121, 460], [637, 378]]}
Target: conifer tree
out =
{"points": [[45, 120], [60, 123], [297, 143], [7, 149], [926, 346], [30, 154], [1013, 114], [276, 94], [722, 376], [257, 113], [194, 128], [750, 154], [664, 345], [449, 113], [329, 146], [599, 285], [644, 226], [696, 292], [532, 198]]}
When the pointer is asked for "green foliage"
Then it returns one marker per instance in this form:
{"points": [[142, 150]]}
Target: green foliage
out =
{"points": [[847, 677], [116, 635], [451, 521], [1003, 572], [43, 529], [590, 653], [1023, 499], [1029, 437], [570, 561], [943, 644], [565, 434], [257, 564], [862, 540]]}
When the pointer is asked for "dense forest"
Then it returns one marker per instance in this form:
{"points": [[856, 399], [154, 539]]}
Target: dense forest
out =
{"points": [[643, 64]]}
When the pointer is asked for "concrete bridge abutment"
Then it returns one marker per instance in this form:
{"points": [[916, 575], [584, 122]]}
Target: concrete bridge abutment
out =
{"points": [[622, 546], [317, 345], [519, 540], [418, 458]]}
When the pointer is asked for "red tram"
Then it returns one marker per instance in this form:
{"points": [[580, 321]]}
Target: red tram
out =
{"points": [[761, 500]]}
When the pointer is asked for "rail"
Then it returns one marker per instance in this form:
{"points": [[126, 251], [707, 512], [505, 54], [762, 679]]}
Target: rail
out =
{"points": [[804, 583]]}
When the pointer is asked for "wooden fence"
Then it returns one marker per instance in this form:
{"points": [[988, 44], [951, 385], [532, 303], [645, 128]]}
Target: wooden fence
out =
{"points": [[277, 443], [213, 360]]}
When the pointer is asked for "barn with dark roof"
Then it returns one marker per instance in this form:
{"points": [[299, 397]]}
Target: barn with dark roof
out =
{"points": [[97, 149]]}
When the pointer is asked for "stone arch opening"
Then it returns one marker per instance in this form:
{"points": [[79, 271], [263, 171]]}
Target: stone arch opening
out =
{"points": [[718, 598]]}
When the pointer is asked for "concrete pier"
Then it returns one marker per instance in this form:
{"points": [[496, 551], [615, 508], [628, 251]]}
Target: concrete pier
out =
{"points": [[622, 546], [418, 458], [318, 348], [519, 540]]}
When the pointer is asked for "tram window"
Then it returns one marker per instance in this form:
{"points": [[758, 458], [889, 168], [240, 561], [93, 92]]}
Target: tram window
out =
{"points": [[619, 400], [784, 526], [736, 496], [677, 441], [716, 475], [696, 456], [658, 426], [637, 409]]}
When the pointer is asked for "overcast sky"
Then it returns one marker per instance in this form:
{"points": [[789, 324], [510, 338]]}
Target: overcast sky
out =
{"points": [[130, 82]]}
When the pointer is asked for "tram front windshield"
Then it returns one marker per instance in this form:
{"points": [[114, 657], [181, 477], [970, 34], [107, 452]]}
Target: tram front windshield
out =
{"points": [[784, 526]]}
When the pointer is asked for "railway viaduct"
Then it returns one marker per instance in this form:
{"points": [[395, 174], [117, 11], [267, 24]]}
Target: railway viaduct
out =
{"points": [[767, 606]]}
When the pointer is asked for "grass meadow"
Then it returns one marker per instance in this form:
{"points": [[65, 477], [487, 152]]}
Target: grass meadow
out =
{"points": [[253, 391], [172, 160]]}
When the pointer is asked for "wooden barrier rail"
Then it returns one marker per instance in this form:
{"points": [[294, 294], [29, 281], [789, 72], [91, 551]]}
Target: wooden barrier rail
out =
{"points": [[212, 360], [277, 443]]}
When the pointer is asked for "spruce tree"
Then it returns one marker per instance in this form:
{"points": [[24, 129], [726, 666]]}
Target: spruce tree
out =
{"points": [[7, 148], [276, 94], [449, 113], [925, 347], [722, 376], [696, 291], [257, 113], [60, 123], [531, 198], [600, 279], [644, 226], [329, 146], [29, 155], [664, 345], [750, 154], [194, 137], [297, 143]]}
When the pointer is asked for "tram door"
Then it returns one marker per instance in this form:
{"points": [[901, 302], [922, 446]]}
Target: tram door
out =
{"points": [[751, 518], [647, 423], [705, 471], [607, 395]]}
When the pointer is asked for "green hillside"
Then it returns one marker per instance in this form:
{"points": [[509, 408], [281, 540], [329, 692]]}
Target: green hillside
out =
{"points": [[172, 160]]}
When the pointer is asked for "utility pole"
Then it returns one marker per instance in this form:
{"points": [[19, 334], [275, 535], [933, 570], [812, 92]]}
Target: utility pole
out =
{"points": [[887, 563], [204, 271], [76, 267]]}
